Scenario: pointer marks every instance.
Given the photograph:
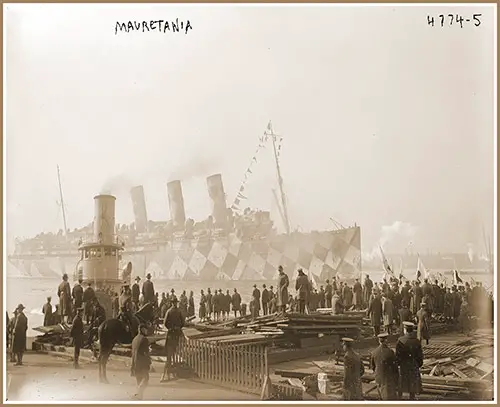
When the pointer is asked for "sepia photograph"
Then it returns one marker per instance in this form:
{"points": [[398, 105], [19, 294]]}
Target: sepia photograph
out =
{"points": [[249, 202]]}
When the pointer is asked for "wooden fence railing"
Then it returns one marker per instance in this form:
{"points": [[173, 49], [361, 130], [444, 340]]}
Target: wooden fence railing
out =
{"points": [[238, 367]]}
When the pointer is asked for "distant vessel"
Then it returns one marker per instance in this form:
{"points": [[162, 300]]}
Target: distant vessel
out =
{"points": [[231, 244]]}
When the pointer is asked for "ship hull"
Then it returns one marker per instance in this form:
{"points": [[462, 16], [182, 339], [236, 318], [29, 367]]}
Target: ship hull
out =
{"points": [[321, 255]]}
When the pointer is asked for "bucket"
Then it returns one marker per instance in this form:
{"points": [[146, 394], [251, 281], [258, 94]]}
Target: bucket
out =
{"points": [[323, 383]]}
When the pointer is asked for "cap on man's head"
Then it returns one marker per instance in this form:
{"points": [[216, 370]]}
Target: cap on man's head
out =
{"points": [[137, 278], [255, 286], [408, 323], [148, 275], [263, 286], [347, 340], [271, 287], [384, 335], [423, 303], [280, 268]]}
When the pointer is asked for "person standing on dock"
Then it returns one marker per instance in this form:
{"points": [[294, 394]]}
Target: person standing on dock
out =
{"points": [[47, 312], [384, 364], [202, 310], [136, 291], [265, 300], [174, 322], [77, 294], [256, 300], [209, 305], [141, 360], [191, 312], [64, 294], [337, 306], [353, 371], [19, 334], [367, 290], [424, 323], [282, 290], [328, 294], [387, 313], [77, 334], [404, 316], [303, 287], [410, 357], [148, 290], [357, 290], [375, 313]]}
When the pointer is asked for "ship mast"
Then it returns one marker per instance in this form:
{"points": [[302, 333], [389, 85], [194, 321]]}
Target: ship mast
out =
{"points": [[269, 132], [62, 201]]}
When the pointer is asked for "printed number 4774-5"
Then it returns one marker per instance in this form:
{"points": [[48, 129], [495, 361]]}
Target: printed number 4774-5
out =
{"points": [[452, 19]]}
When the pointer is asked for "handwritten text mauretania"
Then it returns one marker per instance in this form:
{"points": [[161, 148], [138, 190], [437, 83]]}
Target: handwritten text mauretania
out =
{"points": [[161, 26]]}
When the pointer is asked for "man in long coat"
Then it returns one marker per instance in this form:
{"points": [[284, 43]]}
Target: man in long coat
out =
{"points": [[424, 324], [328, 294], [77, 334], [404, 316], [374, 311], [174, 322], [337, 304], [148, 290], [64, 294], [141, 360], [410, 358], [416, 298], [385, 366], [367, 290], [302, 286], [47, 312], [256, 300], [265, 300], [357, 290], [77, 294], [88, 298], [236, 302], [353, 371], [136, 291], [387, 313], [19, 334], [282, 290]]}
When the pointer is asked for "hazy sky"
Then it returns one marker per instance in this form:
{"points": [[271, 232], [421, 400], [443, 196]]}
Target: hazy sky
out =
{"points": [[384, 118]]}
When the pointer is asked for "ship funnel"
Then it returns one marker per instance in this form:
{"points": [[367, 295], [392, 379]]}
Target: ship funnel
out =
{"points": [[218, 197], [104, 218], [176, 203], [140, 213]]}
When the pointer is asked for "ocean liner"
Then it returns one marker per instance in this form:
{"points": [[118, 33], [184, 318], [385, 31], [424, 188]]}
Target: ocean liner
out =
{"points": [[231, 244]]}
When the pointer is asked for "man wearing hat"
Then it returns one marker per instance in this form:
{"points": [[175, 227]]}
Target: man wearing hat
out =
{"points": [[148, 290], [410, 358], [404, 315], [136, 292], [424, 323], [88, 297], [367, 290], [236, 302], [77, 294], [47, 312], [353, 371], [256, 300], [384, 364], [126, 306], [77, 334], [282, 290], [19, 334], [328, 294], [265, 300], [174, 322], [141, 360], [302, 285], [374, 311], [64, 294]]}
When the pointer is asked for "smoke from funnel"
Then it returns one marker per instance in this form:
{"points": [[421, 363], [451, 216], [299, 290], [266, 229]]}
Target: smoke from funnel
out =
{"points": [[398, 234], [195, 167]]}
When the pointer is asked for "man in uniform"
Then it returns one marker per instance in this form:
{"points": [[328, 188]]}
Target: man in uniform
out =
{"points": [[282, 290], [174, 322], [384, 364], [353, 370], [77, 334], [148, 290], [410, 358], [77, 294], [302, 286], [126, 306], [88, 297], [141, 360], [136, 292], [374, 311], [424, 323]]}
